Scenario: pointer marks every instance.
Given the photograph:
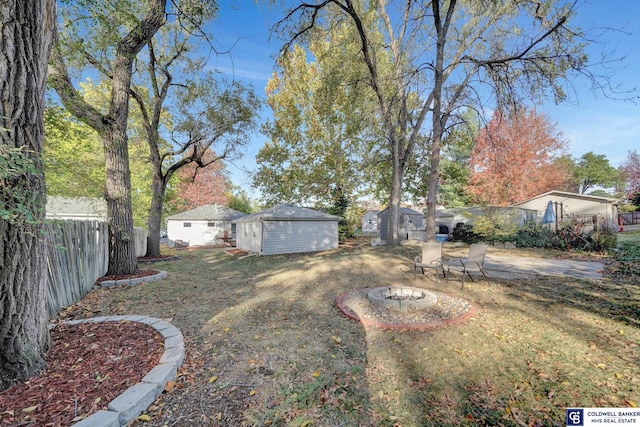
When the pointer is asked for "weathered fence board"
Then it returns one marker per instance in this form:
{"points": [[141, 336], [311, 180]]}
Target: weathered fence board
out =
{"points": [[77, 255]]}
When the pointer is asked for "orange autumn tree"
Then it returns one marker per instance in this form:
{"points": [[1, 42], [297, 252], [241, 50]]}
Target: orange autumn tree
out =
{"points": [[514, 158], [203, 183]]}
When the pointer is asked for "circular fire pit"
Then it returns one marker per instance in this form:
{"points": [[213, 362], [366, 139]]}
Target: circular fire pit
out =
{"points": [[402, 298]]}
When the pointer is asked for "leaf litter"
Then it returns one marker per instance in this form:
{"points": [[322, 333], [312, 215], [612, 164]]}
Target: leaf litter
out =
{"points": [[269, 332]]}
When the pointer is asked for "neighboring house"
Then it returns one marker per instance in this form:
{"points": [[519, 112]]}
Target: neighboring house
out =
{"points": [[572, 205], [204, 225], [370, 223], [468, 215], [287, 229], [76, 208], [409, 221]]}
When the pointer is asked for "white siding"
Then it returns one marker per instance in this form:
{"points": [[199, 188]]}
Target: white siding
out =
{"points": [[249, 236], [283, 237], [199, 233], [370, 224]]}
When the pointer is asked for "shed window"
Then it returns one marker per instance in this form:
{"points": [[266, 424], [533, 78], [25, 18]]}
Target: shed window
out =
{"points": [[211, 224], [186, 224]]}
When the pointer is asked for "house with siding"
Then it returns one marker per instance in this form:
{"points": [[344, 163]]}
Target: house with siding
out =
{"points": [[76, 208], [287, 229], [573, 205], [204, 225]]}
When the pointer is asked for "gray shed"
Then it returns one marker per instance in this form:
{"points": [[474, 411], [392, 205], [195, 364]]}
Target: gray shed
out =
{"points": [[410, 220], [287, 229]]}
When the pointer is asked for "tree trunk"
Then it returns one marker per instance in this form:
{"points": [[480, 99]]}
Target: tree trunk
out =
{"points": [[154, 222], [122, 248], [395, 197], [27, 28]]}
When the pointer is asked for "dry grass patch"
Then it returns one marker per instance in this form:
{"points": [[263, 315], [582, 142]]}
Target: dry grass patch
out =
{"points": [[266, 344]]}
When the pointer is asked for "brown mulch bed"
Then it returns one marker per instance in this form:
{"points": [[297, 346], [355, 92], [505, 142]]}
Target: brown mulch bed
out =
{"points": [[236, 252], [88, 365], [141, 273]]}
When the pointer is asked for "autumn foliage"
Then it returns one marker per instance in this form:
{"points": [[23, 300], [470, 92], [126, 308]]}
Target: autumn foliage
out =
{"points": [[514, 158], [631, 169], [199, 186]]}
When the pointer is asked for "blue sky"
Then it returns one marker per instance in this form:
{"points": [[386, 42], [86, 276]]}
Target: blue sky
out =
{"points": [[590, 122]]}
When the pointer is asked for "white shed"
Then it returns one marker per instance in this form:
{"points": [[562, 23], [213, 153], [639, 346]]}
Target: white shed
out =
{"points": [[573, 204], [370, 223], [204, 225], [287, 229]]}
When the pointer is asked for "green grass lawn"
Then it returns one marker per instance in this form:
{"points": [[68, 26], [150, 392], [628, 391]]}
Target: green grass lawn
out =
{"points": [[628, 236], [266, 345]]}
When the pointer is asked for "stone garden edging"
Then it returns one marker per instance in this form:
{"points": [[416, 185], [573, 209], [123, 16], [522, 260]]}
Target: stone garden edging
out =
{"points": [[138, 397], [134, 281]]}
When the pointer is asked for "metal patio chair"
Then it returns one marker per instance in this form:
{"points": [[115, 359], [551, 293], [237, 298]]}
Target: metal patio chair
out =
{"points": [[431, 258], [473, 262]]}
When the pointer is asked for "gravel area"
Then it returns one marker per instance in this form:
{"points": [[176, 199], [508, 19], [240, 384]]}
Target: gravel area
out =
{"points": [[447, 310]]}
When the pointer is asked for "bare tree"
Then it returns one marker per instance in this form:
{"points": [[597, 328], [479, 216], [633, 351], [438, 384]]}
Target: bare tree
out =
{"points": [[27, 29]]}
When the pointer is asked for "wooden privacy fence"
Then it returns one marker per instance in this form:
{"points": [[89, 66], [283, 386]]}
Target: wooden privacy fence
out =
{"points": [[77, 255], [629, 218]]}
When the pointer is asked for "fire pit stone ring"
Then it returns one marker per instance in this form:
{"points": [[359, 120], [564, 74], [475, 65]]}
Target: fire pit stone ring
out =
{"points": [[402, 298]]}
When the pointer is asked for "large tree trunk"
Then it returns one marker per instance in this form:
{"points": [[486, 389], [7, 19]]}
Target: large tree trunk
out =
{"points": [[154, 222], [122, 248], [395, 197], [27, 28]]}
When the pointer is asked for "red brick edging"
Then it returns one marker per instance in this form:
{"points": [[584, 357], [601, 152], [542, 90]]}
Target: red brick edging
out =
{"points": [[425, 325]]}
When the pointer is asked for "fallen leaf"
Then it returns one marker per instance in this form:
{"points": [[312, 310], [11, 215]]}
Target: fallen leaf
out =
{"points": [[30, 409], [144, 417], [316, 374], [252, 392], [213, 379], [170, 386]]}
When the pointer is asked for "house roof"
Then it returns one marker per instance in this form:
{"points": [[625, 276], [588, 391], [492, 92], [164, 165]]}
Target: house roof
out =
{"points": [[209, 213], [80, 207], [568, 195], [287, 212]]}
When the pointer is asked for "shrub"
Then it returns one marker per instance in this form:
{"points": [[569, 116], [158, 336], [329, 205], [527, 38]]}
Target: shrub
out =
{"points": [[534, 235], [572, 235]]}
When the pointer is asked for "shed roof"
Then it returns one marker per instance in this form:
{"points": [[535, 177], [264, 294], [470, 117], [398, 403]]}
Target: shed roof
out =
{"points": [[404, 211], [287, 212], [568, 195], [209, 213]]}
